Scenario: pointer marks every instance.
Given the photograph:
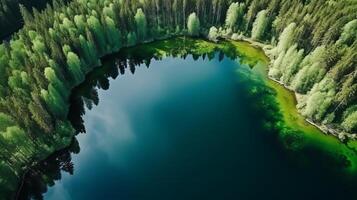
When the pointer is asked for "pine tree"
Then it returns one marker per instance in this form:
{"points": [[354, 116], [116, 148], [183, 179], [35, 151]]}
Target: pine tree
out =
{"points": [[286, 38], [141, 24], [97, 29], [193, 25], [41, 117], [132, 39], [232, 15], [74, 66], [350, 123], [26, 15], [260, 25], [349, 34], [52, 77]]}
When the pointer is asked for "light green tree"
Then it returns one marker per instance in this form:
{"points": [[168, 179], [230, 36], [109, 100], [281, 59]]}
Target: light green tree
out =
{"points": [[109, 11], [52, 77], [286, 39], [54, 101], [74, 66], [319, 99], [232, 15], [113, 34], [292, 62], [349, 33], [141, 25], [275, 70], [96, 27], [193, 25], [313, 68], [350, 123], [213, 34], [80, 23], [259, 25]]}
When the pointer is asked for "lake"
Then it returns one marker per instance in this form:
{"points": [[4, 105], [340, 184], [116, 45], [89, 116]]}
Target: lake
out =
{"points": [[184, 128]]}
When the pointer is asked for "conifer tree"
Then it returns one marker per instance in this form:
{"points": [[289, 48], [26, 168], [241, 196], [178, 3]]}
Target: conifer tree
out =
{"points": [[193, 25], [26, 15], [350, 123], [286, 38], [260, 25], [349, 34], [74, 66], [232, 15], [141, 25], [132, 39], [98, 32]]}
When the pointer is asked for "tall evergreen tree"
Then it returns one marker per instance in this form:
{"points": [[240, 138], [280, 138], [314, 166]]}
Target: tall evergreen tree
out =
{"points": [[259, 26], [193, 25], [141, 24]]}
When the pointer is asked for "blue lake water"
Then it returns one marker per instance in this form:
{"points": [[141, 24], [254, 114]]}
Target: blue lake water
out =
{"points": [[182, 129]]}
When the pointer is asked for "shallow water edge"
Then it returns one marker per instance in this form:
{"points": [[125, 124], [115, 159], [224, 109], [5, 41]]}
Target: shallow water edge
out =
{"points": [[252, 55]]}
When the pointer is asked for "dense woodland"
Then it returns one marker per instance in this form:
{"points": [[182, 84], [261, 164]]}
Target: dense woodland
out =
{"points": [[10, 14], [315, 54]]}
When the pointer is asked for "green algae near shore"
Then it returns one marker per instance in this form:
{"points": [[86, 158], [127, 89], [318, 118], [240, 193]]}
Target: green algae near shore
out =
{"points": [[295, 133], [310, 136], [297, 136], [305, 135]]}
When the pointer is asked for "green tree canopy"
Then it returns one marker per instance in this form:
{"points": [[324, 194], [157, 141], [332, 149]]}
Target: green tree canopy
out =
{"points": [[260, 25], [193, 25], [141, 24]]}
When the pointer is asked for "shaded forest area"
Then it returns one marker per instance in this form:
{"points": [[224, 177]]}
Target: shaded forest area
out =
{"points": [[10, 14], [315, 54]]}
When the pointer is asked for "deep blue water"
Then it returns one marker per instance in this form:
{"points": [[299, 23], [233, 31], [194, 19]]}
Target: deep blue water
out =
{"points": [[182, 129]]}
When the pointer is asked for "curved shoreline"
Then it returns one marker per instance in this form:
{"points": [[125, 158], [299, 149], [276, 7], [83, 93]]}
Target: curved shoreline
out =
{"points": [[306, 119], [34, 163], [252, 44], [323, 128]]}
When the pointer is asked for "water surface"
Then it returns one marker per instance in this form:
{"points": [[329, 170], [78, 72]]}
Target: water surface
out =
{"points": [[181, 129]]}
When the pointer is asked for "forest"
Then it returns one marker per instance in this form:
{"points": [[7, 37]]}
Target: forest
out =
{"points": [[10, 15], [314, 54]]}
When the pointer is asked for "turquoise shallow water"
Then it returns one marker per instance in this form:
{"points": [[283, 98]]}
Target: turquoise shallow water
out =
{"points": [[181, 129]]}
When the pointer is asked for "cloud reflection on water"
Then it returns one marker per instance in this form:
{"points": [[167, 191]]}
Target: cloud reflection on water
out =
{"points": [[115, 127]]}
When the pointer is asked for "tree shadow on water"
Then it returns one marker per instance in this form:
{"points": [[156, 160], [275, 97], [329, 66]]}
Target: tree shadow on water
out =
{"points": [[85, 96]]}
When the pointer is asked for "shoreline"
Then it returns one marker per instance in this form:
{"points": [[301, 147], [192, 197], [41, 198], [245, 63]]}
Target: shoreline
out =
{"points": [[323, 128], [34, 163], [320, 127], [254, 44]]}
